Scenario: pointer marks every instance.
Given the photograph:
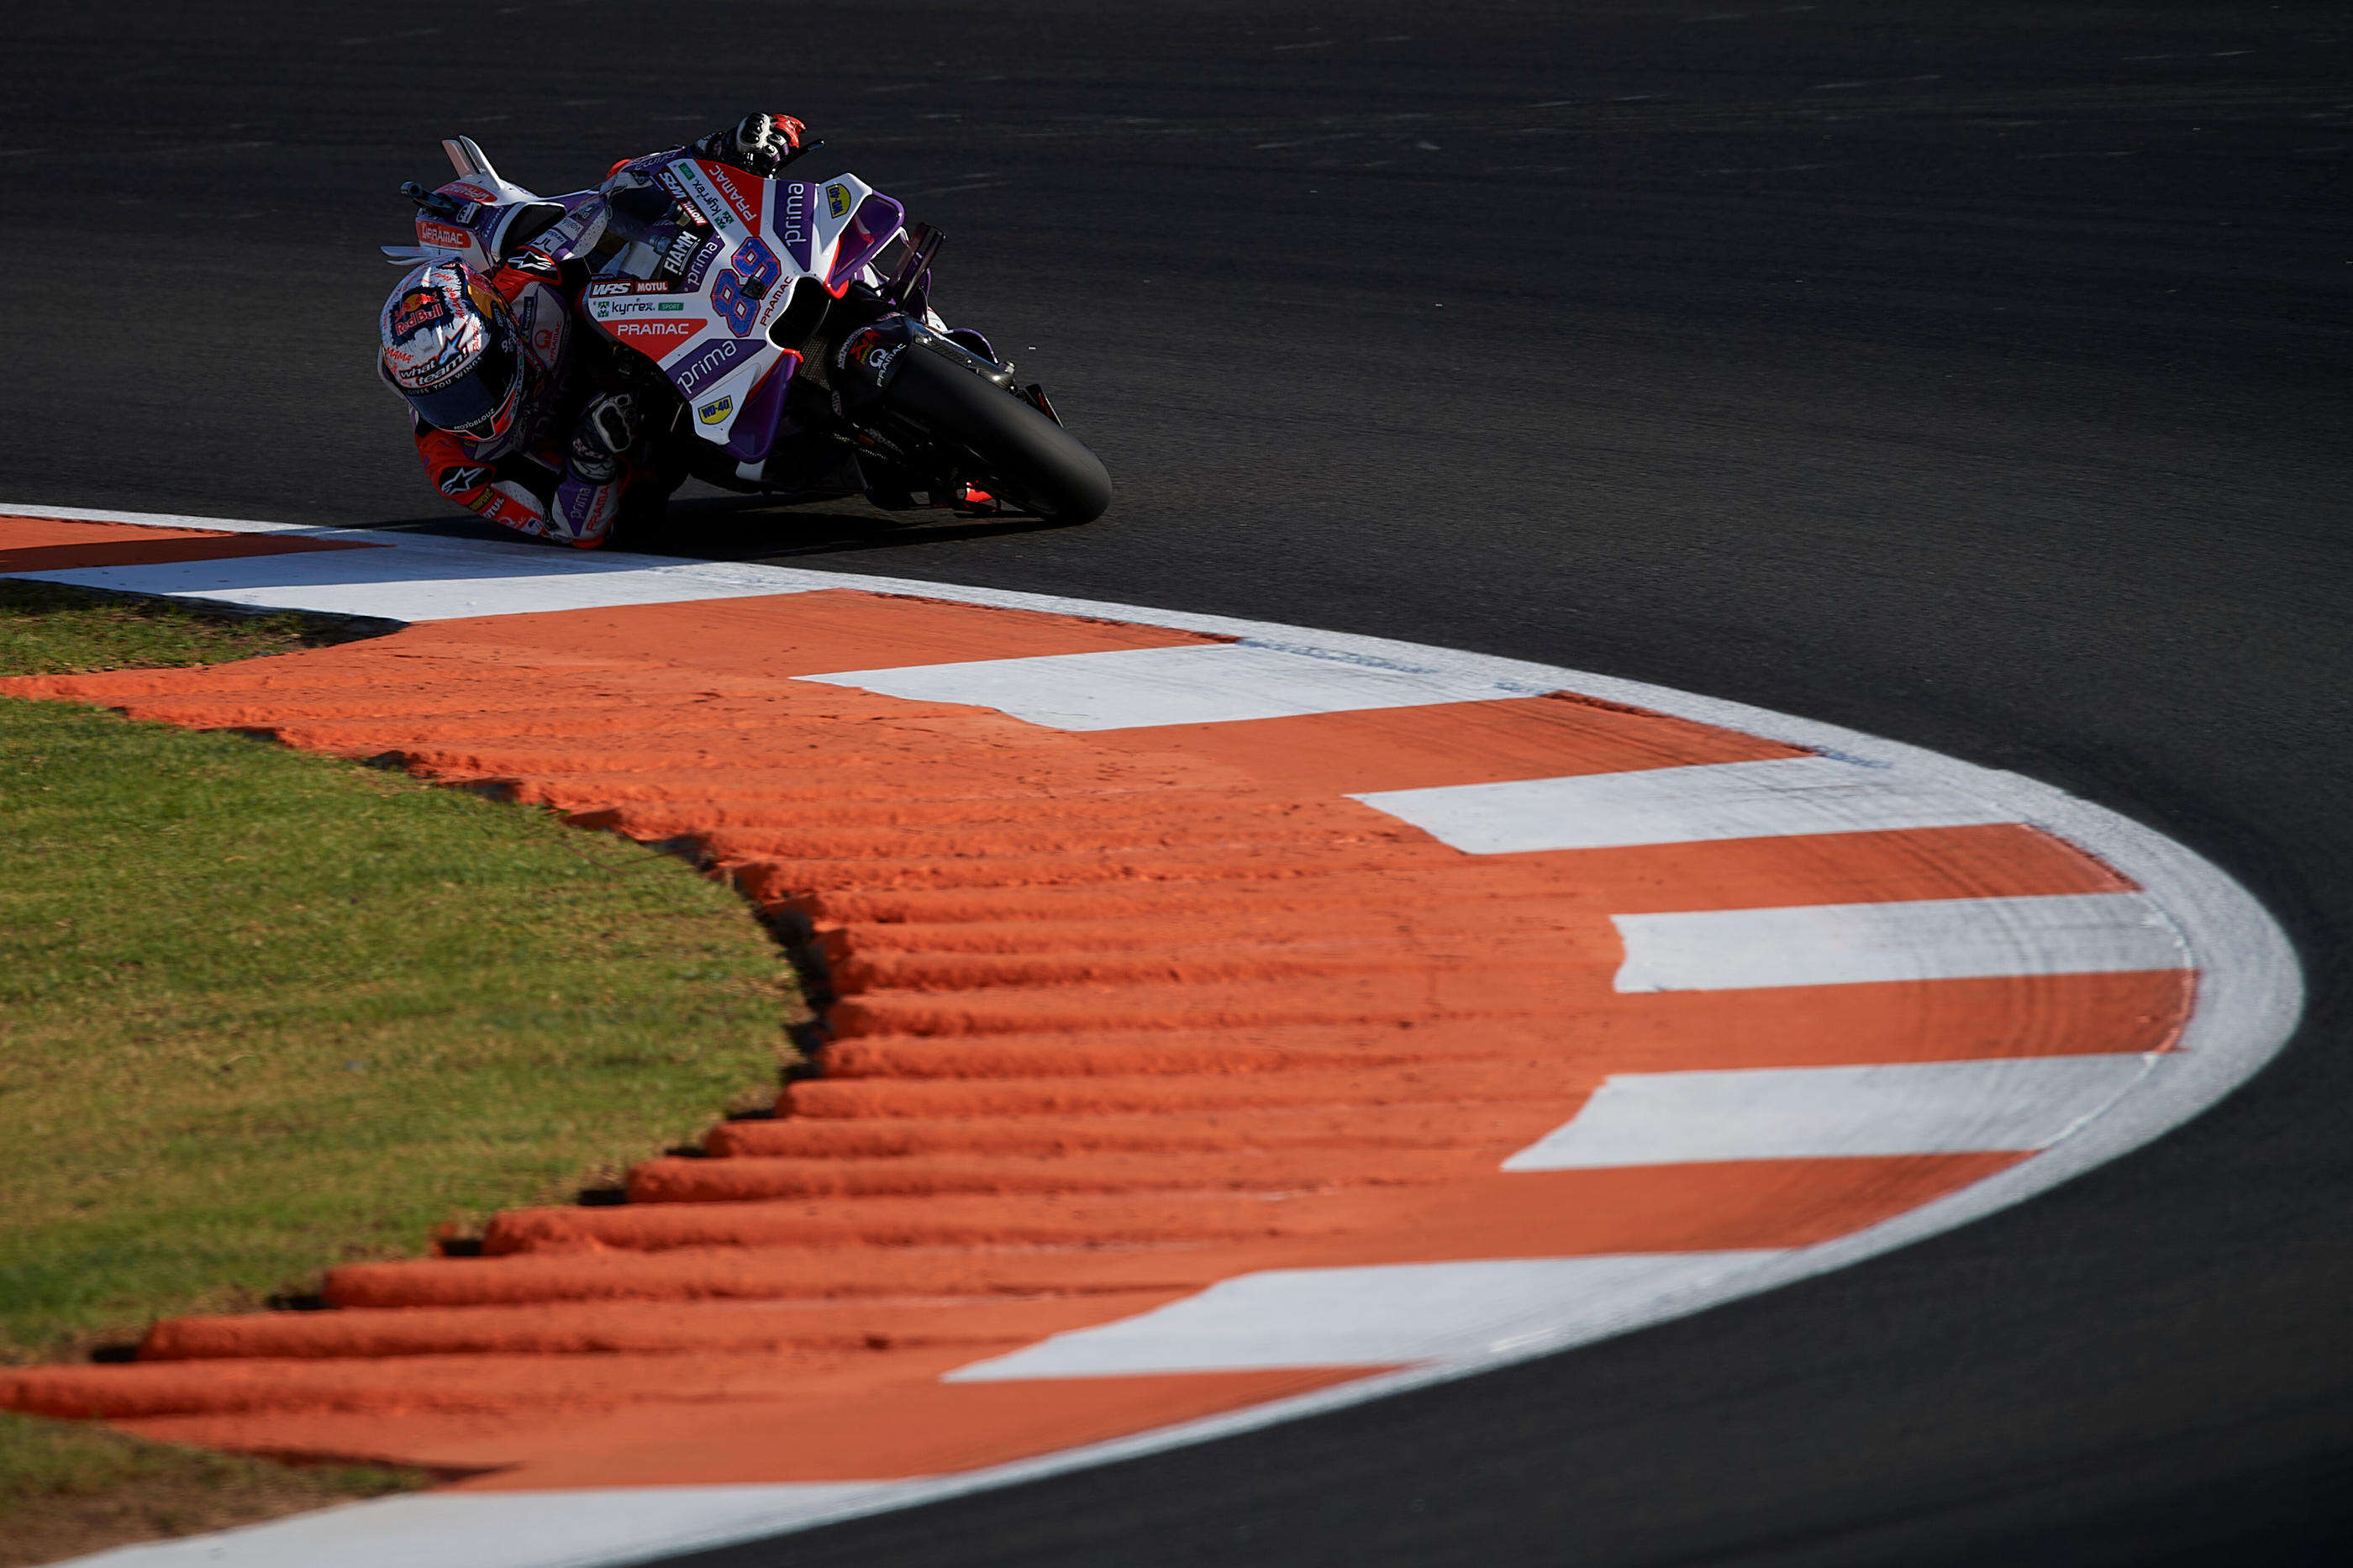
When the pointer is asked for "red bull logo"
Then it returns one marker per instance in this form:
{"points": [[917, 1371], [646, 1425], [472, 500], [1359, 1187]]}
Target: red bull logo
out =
{"points": [[418, 309]]}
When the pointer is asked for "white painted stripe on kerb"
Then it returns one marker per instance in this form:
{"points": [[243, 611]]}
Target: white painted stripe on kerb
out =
{"points": [[430, 578], [1680, 805], [1140, 688], [507, 1529], [1385, 1315], [1799, 1113], [160, 520], [1928, 939]]}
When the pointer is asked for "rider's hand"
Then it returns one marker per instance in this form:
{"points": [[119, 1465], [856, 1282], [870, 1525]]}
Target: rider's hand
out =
{"points": [[606, 430], [763, 142]]}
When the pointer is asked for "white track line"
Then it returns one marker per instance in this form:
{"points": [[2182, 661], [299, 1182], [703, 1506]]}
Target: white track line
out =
{"points": [[418, 576], [507, 1529], [1929, 939], [1144, 688], [2249, 997], [1678, 805], [1796, 1114], [1388, 1315], [420, 581]]}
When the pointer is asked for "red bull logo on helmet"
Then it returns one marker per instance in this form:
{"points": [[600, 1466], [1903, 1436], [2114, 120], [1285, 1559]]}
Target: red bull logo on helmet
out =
{"points": [[417, 310]]}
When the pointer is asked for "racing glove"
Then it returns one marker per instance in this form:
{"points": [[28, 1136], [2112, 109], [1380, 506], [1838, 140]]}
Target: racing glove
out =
{"points": [[607, 429], [759, 143]]}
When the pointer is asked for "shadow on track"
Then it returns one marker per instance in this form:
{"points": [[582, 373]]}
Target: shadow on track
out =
{"points": [[754, 528]]}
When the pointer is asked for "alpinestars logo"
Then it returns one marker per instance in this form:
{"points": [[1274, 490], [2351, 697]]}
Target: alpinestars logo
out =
{"points": [[457, 481]]}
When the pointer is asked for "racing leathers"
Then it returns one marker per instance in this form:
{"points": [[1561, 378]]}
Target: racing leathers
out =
{"points": [[565, 467]]}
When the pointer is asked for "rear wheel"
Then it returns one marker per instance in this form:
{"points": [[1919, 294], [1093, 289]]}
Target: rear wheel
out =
{"points": [[1016, 452]]}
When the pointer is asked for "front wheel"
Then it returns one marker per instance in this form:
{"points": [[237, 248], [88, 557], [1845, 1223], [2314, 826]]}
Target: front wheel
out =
{"points": [[1019, 453]]}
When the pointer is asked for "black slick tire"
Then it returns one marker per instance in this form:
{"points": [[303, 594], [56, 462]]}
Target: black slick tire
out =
{"points": [[1023, 457]]}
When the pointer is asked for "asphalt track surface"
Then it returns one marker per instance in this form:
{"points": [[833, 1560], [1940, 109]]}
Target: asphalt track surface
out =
{"points": [[1973, 375]]}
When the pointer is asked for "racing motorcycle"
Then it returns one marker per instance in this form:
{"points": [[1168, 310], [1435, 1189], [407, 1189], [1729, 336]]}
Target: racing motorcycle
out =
{"points": [[787, 327]]}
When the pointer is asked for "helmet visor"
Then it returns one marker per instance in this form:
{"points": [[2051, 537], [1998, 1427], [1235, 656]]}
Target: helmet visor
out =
{"points": [[479, 404]]}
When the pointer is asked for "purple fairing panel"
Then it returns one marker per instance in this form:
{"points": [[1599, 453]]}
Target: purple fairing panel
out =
{"points": [[878, 217], [755, 428], [711, 359], [790, 227]]}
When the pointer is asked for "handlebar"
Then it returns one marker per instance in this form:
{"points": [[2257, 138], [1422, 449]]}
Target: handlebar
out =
{"points": [[435, 202]]}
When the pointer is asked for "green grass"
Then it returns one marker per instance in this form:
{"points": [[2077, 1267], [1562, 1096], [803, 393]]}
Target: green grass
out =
{"points": [[262, 1012], [265, 1011], [68, 1489], [47, 629]]}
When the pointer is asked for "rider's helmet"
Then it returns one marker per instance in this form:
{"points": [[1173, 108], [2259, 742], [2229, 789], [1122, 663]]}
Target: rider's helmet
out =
{"points": [[452, 349]]}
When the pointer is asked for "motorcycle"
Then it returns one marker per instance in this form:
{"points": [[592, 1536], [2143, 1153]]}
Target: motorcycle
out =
{"points": [[786, 327]]}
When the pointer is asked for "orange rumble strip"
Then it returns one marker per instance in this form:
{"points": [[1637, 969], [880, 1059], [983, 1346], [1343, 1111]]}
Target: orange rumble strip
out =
{"points": [[1145, 1033]]}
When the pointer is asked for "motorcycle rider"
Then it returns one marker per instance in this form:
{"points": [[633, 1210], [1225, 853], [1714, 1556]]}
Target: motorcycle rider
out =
{"points": [[517, 415]]}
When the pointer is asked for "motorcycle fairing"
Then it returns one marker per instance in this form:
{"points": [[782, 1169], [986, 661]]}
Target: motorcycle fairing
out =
{"points": [[715, 369], [874, 220], [478, 233], [707, 323], [487, 209]]}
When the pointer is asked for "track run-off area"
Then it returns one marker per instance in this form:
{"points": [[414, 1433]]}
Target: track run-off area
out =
{"points": [[1231, 1023]]}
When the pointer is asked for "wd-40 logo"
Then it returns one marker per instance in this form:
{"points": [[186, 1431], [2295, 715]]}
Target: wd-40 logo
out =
{"points": [[836, 201], [713, 412], [456, 482]]}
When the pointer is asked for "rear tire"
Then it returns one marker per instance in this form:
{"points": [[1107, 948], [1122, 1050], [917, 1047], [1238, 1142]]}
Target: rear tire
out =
{"points": [[1020, 454]]}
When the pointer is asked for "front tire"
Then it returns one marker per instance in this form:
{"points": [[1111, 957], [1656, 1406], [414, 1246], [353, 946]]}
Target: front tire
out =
{"points": [[1019, 454]]}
